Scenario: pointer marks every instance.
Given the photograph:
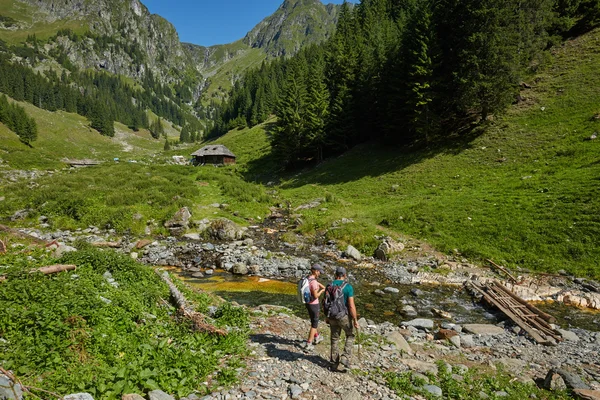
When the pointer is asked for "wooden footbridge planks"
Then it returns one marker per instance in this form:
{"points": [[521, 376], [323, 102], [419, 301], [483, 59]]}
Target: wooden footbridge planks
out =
{"points": [[531, 319]]}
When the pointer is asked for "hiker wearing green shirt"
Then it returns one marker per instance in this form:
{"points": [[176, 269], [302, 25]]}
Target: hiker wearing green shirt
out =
{"points": [[341, 315]]}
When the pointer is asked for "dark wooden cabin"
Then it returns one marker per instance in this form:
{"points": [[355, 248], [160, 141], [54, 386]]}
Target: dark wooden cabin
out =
{"points": [[213, 154]]}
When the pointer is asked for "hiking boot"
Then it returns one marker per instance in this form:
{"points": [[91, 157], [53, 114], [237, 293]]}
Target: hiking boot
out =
{"points": [[317, 340], [337, 367], [307, 347]]}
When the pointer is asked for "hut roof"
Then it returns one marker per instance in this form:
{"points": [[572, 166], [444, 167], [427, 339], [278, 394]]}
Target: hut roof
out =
{"points": [[213, 150]]}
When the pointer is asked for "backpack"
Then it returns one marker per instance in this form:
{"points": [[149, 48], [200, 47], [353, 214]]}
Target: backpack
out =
{"points": [[334, 304], [304, 295]]}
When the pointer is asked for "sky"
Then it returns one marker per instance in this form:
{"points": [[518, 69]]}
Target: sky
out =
{"points": [[210, 22]]}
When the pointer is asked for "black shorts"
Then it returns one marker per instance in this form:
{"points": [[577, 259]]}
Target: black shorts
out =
{"points": [[313, 313]]}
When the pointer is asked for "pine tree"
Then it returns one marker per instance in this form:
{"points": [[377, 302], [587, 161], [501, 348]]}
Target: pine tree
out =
{"points": [[317, 109], [288, 137], [167, 145], [184, 136]]}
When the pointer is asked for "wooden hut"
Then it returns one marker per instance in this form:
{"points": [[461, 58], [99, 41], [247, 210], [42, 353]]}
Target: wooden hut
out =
{"points": [[213, 154]]}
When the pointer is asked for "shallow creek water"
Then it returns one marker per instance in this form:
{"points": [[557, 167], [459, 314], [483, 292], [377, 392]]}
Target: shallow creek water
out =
{"points": [[254, 291]]}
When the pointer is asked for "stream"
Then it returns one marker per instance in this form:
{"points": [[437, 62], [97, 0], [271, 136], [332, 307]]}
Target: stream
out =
{"points": [[254, 291]]}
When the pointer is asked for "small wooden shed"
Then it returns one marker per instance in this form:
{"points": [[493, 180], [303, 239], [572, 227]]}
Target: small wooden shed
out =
{"points": [[213, 154]]}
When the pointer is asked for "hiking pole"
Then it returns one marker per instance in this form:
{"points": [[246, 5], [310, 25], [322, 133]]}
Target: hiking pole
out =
{"points": [[358, 341]]}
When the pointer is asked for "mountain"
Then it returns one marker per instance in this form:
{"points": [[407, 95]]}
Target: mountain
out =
{"points": [[295, 24], [121, 37]]}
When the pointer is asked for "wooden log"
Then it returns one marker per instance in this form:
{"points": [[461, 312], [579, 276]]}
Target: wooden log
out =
{"points": [[2, 247], [501, 268], [198, 319], [53, 269]]}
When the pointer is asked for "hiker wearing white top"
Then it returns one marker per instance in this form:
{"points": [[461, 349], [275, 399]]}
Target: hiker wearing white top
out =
{"points": [[316, 290]]}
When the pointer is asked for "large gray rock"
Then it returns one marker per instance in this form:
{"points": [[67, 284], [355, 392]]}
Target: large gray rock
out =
{"points": [[159, 395], [388, 248], [434, 390], [352, 252], [224, 229], [9, 390], [398, 340], [568, 335], [421, 323], [483, 329], [240, 269], [133, 396]]}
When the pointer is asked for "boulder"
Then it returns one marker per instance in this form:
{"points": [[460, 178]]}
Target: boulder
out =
{"points": [[10, 390], [63, 249], [224, 229], [434, 390], [391, 290], [353, 253], [388, 248], [398, 340], [483, 329], [240, 269], [420, 323], [568, 335], [180, 221]]}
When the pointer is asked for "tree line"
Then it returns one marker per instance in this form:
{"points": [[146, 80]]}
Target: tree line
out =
{"points": [[401, 72], [17, 120]]}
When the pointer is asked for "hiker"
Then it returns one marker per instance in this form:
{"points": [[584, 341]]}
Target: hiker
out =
{"points": [[340, 312], [316, 290]]}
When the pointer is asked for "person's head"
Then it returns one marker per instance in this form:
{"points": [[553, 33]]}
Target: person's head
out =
{"points": [[316, 270], [340, 273]]}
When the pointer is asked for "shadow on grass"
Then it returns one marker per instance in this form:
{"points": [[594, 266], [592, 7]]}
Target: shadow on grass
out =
{"points": [[274, 346], [376, 159]]}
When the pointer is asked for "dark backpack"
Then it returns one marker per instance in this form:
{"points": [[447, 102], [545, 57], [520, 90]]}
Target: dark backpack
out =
{"points": [[334, 304]]}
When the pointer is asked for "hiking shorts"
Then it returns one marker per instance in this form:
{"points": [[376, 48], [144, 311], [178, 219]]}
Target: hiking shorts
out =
{"points": [[313, 313]]}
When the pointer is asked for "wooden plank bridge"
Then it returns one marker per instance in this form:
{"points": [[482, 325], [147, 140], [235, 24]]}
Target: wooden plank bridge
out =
{"points": [[528, 317]]}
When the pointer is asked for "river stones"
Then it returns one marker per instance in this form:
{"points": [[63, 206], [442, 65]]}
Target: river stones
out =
{"points": [[240, 269], [483, 329]]}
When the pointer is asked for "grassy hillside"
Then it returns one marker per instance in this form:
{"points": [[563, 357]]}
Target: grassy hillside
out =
{"points": [[223, 76], [65, 135], [524, 191], [25, 15]]}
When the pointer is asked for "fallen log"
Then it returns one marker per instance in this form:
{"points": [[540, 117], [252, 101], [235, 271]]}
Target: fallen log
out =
{"points": [[53, 269], [2, 247], [198, 319]]}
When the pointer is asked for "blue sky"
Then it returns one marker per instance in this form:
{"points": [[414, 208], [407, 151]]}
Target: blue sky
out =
{"points": [[208, 22]]}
